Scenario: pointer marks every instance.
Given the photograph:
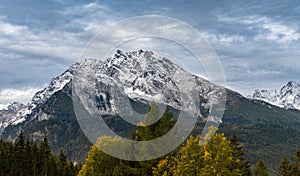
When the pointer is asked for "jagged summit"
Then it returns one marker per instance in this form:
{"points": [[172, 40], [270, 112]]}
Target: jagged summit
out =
{"points": [[287, 97], [142, 75]]}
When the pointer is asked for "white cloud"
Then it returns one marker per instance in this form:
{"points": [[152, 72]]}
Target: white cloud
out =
{"points": [[266, 29], [23, 95], [11, 30], [91, 18], [64, 43], [278, 33], [223, 38], [49, 44]]}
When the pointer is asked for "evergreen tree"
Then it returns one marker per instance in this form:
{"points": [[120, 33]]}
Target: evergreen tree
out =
{"points": [[35, 155], [20, 140], [63, 168], [26, 158], [144, 133], [296, 165], [238, 153], [99, 163], [260, 169], [284, 168], [19, 154], [45, 155]]}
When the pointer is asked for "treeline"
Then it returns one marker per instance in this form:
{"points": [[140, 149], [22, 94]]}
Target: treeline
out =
{"points": [[220, 156], [217, 156], [26, 158]]}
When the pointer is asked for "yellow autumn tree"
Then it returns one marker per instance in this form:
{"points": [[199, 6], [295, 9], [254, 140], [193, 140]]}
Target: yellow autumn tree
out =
{"points": [[213, 158], [99, 163]]}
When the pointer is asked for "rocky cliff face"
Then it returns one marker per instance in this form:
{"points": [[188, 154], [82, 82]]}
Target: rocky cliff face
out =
{"points": [[287, 97]]}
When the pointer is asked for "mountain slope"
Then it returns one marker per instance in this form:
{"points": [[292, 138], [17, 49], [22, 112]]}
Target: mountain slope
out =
{"points": [[267, 131], [143, 76]]}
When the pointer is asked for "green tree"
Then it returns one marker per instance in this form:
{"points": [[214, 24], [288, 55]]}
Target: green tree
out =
{"points": [[238, 153], [28, 158], [144, 133], [45, 152], [19, 155], [24, 157], [162, 126], [63, 167], [35, 155], [296, 165], [99, 163], [260, 169], [284, 168]]}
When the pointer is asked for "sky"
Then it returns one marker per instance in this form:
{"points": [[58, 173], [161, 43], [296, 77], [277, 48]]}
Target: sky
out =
{"points": [[257, 42]]}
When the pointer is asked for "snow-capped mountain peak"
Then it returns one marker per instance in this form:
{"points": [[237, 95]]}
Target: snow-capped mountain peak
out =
{"points": [[141, 75], [16, 112], [287, 97], [3, 106]]}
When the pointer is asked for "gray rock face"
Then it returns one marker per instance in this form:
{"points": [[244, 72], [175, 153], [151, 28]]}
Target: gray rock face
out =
{"points": [[287, 97], [141, 75]]}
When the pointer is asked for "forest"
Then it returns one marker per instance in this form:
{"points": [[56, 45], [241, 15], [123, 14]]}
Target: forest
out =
{"points": [[218, 156], [23, 157]]}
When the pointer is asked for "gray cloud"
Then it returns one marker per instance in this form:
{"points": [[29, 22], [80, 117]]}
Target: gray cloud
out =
{"points": [[257, 43]]}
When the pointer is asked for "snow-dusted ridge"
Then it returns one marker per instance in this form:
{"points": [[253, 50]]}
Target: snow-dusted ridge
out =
{"points": [[4, 106], [287, 97], [16, 113], [142, 75]]}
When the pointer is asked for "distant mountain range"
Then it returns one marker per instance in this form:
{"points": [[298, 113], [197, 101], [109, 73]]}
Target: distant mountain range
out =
{"points": [[287, 97], [267, 131]]}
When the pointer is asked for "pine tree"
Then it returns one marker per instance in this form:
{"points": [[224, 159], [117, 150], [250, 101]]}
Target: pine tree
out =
{"points": [[24, 157], [284, 168], [296, 165], [28, 158], [260, 169], [19, 155], [238, 153], [21, 140], [99, 163], [35, 155], [45, 152], [144, 133], [63, 167]]}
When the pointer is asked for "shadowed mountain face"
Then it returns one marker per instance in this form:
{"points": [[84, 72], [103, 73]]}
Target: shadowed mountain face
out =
{"points": [[267, 132]]}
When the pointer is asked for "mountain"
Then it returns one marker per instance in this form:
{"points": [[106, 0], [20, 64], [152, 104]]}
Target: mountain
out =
{"points": [[142, 76], [287, 97], [3, 106], [16, 113], [266, 131], [10, 114]]}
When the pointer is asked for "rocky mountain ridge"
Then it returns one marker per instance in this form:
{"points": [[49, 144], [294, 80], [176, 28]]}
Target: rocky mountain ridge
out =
{"points": [[287, 97]]}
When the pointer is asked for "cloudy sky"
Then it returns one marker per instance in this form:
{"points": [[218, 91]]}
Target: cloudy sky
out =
{"points": [[258, 43]]}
